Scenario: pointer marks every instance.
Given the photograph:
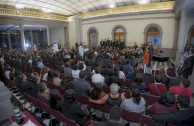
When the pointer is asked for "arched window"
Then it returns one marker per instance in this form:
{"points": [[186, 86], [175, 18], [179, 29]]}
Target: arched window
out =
{"points": [[93, 37], [153, 33], [191, 35], [119, 33]]}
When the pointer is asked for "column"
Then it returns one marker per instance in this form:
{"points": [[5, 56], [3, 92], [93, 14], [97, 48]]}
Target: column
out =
{"points": [[22, 36], [78, 29], [9, 41], [66, 44], [48, 36], [32, 40], [181, 40]]}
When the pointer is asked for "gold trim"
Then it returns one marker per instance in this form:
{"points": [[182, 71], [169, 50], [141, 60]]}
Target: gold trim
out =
{"points": [[130, 9], [29, 14]]}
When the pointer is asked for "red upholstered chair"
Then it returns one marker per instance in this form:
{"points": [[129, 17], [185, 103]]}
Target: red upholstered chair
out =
{"points": [[91, 83], [106, 89], [141, 70], [147, 121], [37, 69], [131, 116], [45, 107], [33, 101], [56, 67], [27, 74], [171, 74], [126, 82], [82, 99], [144, 96], [106, 108], [152, 99], [95, 106], [127, 93], [52, 86], [155, 72]]}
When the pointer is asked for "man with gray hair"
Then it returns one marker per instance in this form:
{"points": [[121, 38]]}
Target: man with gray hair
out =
{"points": [[147, 77]]}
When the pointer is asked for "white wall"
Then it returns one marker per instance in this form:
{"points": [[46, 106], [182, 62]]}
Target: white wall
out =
{"points": [[58, 34], [135, 26]]}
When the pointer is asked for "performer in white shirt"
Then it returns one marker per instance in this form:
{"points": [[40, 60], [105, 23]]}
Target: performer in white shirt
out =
{"points": [[81, 50], [55, 47]]}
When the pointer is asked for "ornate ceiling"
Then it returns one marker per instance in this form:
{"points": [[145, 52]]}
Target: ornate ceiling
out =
{"points": [[71, 7]]}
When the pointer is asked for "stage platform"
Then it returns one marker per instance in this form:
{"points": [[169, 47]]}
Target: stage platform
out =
{"points": [[160, 58]]}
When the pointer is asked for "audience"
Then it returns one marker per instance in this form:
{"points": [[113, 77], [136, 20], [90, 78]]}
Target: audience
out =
{"points": [[113, 98], [184, 116], [157, 88], [132, 75], [175, 81], [44, 73], [44, 93], [97, 77], [55, 102], [139, 84], [75, 72], [56, 79], [147, 77], [68, 70], [96, 93], [80, 85], [182, 88]]}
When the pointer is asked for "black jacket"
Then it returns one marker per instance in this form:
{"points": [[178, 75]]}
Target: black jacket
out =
{"points": [[108, 123], [188, 66], [178, 117], [148, 78]]}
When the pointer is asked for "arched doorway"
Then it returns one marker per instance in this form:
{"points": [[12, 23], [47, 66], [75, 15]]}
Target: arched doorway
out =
{"points": [[191, 35], [93, 37], [153, 33], [119, 33]]}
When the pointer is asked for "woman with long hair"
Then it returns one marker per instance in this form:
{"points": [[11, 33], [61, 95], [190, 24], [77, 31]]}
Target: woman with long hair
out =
{"points": [[135, 104], [44, 73], [96, 93], [165, 79], [139, 84], [55, 99]]}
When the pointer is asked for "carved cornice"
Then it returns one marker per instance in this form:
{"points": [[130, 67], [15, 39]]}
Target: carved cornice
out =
{"points": [[30, 14]]}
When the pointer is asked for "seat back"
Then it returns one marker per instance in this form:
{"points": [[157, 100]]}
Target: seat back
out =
{"points": [[171, 74], [33, 101], [95, 106], [45, 107], [141, 70], [155, 72], [152, 99], [144, 96], [125, 82], [131, 116], [147, 121], [53, 86], [106, 108], [127, 93], [106, 89], [82, 99], [37, 69]]}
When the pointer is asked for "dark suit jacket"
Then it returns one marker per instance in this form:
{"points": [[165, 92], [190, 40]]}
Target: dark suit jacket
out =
{"points": [[148, 78], [127, 67], [188, 66], [92, 62], [178, 117], [131, 75], [175, 81]]}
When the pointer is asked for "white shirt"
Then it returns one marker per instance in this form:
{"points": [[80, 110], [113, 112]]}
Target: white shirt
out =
{"points": [[2, 60], [7, 74], [75, 73], [121, 75], [81, 51], [56, 48], [98, 78]]}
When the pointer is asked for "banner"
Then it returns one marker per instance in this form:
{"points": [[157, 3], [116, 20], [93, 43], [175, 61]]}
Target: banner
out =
{"points": [[156, 40], [55, 42]]}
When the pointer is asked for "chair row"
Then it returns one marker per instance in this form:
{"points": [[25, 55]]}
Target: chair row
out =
{"points": [[129, 116], [59, 116], [156, 72]]}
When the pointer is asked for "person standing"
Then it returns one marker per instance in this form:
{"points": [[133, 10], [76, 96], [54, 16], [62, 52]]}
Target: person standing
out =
{"points": [[150, 49], [81, 50], [101, 43], [146, 57]]}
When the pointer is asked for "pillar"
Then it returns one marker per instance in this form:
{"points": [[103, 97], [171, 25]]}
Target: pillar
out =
{"points": [[9, 41], [181, 40], [66, 44], [48, 36], [22, 36], [32, 40]]}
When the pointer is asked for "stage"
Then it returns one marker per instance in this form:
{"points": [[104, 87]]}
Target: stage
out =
{"points": [[160, 58]]}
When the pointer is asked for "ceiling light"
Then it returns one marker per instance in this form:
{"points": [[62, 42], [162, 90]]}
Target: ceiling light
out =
{"points": [[144, 1], [18, 5], [44, 9], [112, 5]]}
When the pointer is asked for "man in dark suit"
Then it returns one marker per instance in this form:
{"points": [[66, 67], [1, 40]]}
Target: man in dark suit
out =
{"points": [[108, 42], [147, 77], [104, 43], [101, 43], [150, 49], [132, 75], [127, 66], [188, 64], [175, 81]]}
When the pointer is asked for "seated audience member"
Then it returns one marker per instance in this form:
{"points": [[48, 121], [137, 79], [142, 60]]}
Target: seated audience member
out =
{"points": [[147, 77], [44, 73], [75, 72], [157, 88], [165, 79], [56, 79], [40, 63], [166, 104], [135, 104], [35, 86], [12, 74], [80, 85], [89, 74], [113, 98], [139, 84], [182, 88], [68, 70], [51, 74], [132, 75], [61, 68], [175, 81], [7, 71], [72, 110], [171, 68], [23, 84], [112, 77], [121, 73], [44, 93], [55, 102], [184, 116], [29, 68], [96, 93], [66, 83], [97, 77], [115, 118], [127, 66]]}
